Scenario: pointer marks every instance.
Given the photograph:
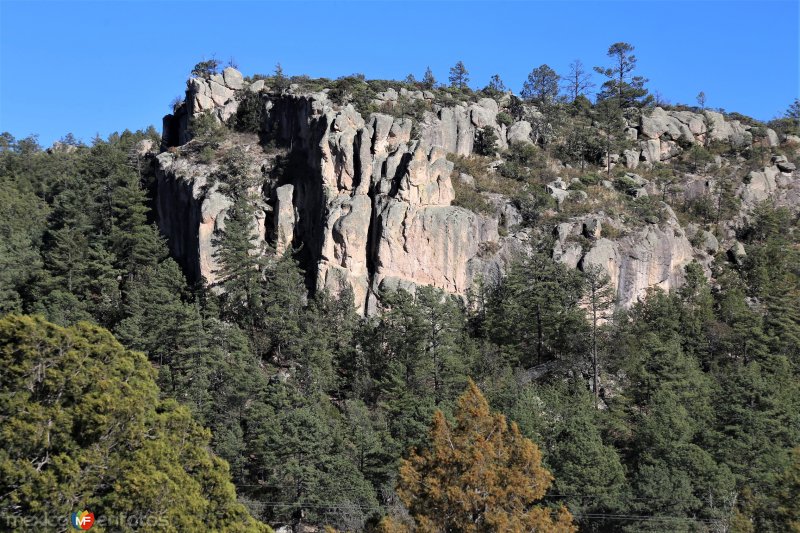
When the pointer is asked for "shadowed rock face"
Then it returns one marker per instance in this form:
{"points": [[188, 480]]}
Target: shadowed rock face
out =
{"points": [[368, 207]]}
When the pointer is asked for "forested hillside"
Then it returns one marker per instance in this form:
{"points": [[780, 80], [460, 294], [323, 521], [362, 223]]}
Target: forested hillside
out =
{"points": [[680, 412]]}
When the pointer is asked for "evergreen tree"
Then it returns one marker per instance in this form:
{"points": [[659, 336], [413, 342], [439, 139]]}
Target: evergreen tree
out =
{"points": [[598, 299], [486, 141], [543, 295], [541, 86], [589, 475], [622, 85], [298, 459], [477, 475], [131, 452], [428, 81], [459, 76]]}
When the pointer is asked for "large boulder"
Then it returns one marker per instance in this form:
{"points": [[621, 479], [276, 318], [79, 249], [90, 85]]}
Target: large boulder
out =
{"points": [[233, 78], [520, 132]]}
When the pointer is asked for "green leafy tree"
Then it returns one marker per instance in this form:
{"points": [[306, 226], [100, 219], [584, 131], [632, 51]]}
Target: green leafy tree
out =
{"points": [[598, 299], [205, 69], [298, 459], [486, 141], [541, 86], [131, 453], [496, 86], [428, 80], [279, 79], [589, 474], [608, 115], [543, 295]]}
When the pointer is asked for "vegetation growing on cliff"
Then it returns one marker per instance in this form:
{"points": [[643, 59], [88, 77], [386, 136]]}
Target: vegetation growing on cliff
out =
{"points": [[314, 408], [680, 414]]}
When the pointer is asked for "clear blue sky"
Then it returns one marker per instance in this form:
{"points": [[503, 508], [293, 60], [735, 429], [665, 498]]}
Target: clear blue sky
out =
{"points": [[98, 67]]}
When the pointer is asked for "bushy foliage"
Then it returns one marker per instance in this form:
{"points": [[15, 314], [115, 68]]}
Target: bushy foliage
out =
{"points": [[205, 69], [485, 141], [250, 114], [90, 432], [207, 130], [479, 474]]}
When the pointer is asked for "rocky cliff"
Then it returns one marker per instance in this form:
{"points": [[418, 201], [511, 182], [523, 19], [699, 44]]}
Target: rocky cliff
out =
{"points": [[367, 200]]}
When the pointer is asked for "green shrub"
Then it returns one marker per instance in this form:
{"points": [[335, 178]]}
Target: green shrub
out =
{"points": [[250, 113], [591, 179], [205, 69], [648, 209], [469, 198], [522, 162], [578, 186], [608, 231], [486, 141], [531, 203], [626, 185], [206, 129], [472, 165], [504, 118], [206, 155]]}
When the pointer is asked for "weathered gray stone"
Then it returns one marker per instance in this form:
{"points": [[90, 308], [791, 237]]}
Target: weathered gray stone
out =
{"points": [[466, 179], [783, 164], [709, 243], [284, 218], [736, 253], [761, 185], [631, 158], [772, 137], [520, 132], [257, 86], [233, 78], [592, 228]]}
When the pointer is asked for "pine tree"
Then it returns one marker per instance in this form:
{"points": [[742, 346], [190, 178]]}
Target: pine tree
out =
{"points": [[589, 475], [628, 90], [598, 299], [543, 295], [442, 324], [459, 76], [428, 80], [541, 86]]}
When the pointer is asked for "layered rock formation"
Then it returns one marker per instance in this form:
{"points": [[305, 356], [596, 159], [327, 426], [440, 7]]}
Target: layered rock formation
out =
{"points": [[369, 207], [652, 256]]}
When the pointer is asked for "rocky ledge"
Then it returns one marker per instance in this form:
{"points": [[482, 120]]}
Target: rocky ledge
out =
{"points": [[369, 207]]}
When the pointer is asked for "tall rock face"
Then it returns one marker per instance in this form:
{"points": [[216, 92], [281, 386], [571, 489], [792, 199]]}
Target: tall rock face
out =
{"points": [[366, 204], [368, 207], [652, 256]]}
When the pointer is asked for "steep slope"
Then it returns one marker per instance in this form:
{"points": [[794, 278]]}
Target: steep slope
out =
{"points": [[367, 201]]}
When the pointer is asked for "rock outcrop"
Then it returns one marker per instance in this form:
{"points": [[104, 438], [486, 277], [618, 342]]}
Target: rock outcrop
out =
{"points": [[652, 256], [367, 207], [664, 134]]}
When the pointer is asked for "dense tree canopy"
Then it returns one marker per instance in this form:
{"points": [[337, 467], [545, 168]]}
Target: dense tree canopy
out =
{"points": [[84, 428], [681, 413]]}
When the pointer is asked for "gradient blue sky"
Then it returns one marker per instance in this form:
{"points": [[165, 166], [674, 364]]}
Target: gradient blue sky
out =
{"points": [[99, 67]]}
